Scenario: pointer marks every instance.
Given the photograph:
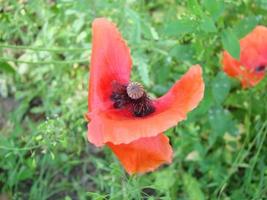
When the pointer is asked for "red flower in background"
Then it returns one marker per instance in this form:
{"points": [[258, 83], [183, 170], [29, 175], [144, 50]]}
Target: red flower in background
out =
{"points": [[251, 66], [122, 115]]}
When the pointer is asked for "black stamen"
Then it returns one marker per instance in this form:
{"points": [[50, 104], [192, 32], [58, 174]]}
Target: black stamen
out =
{"points": [[123, 99], [143, 107], [119, 95], [260, 68]]}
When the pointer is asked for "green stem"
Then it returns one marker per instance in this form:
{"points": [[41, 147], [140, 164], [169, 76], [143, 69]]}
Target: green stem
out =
{"points": [[59, 49], [44, 62]]}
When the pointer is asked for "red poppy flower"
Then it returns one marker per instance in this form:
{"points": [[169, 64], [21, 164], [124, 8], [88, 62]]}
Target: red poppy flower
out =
{"points": [[251, 66], [122, 115]]}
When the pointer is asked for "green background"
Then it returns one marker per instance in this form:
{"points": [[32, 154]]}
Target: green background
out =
{"points": [[219, 151]]}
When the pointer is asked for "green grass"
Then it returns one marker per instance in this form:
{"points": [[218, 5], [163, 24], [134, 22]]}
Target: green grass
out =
{"points": [[220, 151]]}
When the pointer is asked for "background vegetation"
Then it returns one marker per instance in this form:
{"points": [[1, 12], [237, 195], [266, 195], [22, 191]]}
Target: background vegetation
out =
{"points": [[220, 150]]}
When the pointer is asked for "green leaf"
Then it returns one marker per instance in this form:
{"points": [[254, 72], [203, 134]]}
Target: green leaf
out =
{"points": [[180, 27], [194, 7], [67, 198], [214, 7], [162, 74], [204, 105], [192, 188], [231, 43], [142, 68], [183, 52], [4, 66], [207, 25], [245, 26], [262, 4], [149, 31], [165, 179], [135, 24], [220, 87], [24, 173], [221, 122]]}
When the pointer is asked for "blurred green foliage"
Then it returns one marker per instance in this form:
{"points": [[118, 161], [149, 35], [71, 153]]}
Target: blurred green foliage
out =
{"points": [[220, 150]]}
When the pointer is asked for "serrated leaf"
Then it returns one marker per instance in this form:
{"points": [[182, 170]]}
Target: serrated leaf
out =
{"points": [[231, 43], [142, 68], [135, 25]]}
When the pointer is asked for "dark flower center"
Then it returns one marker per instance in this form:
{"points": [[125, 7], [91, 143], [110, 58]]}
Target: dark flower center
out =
{"points": [[260, 68], [132, 97]]}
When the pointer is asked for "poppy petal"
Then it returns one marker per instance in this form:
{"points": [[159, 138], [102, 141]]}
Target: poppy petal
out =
{"points": [[143, 155], [114, 126], [230, 65], [235, 69], [253, 53], [257, 40], [110, 61]]}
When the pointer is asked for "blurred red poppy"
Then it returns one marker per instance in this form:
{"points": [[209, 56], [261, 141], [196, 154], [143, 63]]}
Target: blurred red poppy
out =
{"points": [[121, 113], [252, 65]]}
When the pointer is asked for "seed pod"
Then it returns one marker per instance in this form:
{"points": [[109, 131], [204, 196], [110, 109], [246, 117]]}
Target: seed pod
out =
{"points": [[135, 90]]}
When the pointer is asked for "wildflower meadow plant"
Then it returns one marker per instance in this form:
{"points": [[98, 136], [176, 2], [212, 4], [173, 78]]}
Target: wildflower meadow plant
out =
{"points": [[121, 113], [180, 116], [251, 67]]}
